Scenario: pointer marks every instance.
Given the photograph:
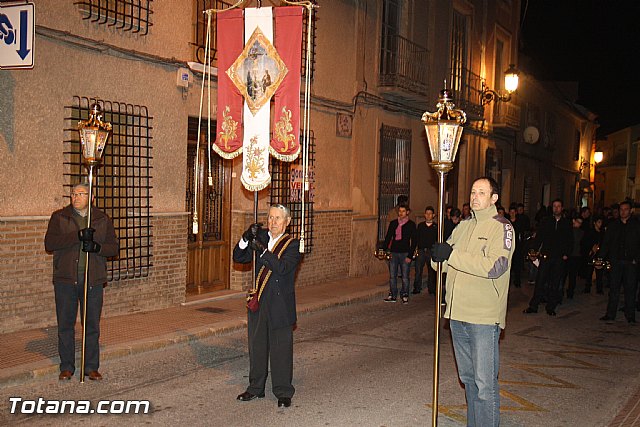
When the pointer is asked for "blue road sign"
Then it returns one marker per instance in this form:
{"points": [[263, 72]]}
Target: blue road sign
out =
{"points": [[17, 30]]}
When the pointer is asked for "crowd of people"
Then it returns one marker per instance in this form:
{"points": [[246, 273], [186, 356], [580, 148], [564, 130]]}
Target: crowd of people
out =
{"points": [[561, 251], [570, 246]]}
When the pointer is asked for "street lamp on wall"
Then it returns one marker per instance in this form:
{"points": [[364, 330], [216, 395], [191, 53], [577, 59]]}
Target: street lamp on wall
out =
{"points": [[511, 80], [444, 130], [598, 156]]}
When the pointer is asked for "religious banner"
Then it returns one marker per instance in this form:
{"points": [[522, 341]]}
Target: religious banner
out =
{"points": [[257, 73], [285, 143], [228, 144]]}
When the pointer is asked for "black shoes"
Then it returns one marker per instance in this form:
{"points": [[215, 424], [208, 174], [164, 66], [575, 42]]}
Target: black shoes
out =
{"points": [[390, 298], [551, 312], [530, 310], [284, 402], [606, 318], [246, 396], [416, 291]]}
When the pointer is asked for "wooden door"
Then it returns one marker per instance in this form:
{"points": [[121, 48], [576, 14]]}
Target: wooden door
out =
{"points": [[208, 251]]}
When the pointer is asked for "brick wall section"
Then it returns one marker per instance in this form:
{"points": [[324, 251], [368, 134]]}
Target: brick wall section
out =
{"points": [[328, 260], [165, 285], [26, 291]]}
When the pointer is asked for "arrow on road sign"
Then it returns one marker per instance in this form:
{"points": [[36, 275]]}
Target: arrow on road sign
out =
{"points": [[23, 51]]}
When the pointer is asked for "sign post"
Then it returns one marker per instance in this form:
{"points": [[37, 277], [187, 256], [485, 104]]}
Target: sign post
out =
{"points": [[17, 30]]}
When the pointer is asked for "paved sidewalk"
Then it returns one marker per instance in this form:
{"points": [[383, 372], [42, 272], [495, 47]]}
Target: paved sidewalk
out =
{"points": [[33, 353]]}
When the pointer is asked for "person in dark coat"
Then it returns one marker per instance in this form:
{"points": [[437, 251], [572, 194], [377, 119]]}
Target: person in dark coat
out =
{"points": [[272, 308], [426, 236], [72, 243], [621, 247], [590, 246], [555, 240]]}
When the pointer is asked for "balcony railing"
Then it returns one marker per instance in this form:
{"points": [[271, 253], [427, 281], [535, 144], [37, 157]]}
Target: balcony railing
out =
{"points": [[506, 114], [404, 65], [467, 87]]}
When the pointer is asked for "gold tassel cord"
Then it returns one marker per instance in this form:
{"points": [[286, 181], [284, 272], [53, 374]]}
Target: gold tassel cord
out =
{"points": [[205, 74], [305, 121]]}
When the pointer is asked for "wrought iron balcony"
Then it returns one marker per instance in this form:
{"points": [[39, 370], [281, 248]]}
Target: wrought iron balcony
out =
{"points": [[506, 114], [467, 89], [404, 67]]}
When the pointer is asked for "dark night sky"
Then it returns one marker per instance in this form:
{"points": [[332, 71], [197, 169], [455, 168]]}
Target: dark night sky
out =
{"points": [[594, 42]]}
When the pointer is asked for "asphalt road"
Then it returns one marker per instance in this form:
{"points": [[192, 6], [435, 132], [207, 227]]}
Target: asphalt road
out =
{"points": [[369, 364]]}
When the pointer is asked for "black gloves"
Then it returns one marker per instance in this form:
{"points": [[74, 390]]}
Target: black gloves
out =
{"points": [[441, 252], [250, 234], [86, 237], [86, 234], [257, 246], [91, 246]]}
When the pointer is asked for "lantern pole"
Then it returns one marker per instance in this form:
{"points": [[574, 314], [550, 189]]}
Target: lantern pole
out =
{"points": [[443, 129], [93, 138]]}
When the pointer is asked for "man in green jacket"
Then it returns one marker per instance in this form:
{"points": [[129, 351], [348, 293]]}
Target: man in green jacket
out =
{"points": [[477, 259]]}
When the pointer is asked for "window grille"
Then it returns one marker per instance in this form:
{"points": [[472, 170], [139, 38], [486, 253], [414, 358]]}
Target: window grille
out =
{"points": [[576, 146], [390, 33], [395, 168], [459, 52], [125, 15], [122, 182], [201, 33], [212, 197], [493, 164], [286, 188]]}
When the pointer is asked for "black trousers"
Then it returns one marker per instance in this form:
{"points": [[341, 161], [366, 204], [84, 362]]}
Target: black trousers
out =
{"points": [[549, 283], [623, 274], [68, 299], [274, 346], [424, 258], [573, 267]]}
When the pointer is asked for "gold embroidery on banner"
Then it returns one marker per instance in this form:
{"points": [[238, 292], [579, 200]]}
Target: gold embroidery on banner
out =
{"points": [[283, 127], [255, 161], [229, 127]]}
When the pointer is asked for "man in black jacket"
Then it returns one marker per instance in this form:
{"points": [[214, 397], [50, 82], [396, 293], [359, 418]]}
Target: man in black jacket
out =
{"points": [[401, 241], [621, 247], [426, 236], [272, 313], [70, 241], [554, 239]]}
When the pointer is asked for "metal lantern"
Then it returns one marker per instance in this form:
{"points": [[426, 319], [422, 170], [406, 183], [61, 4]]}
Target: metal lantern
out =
{"points": [[444, 130], [93, 135]]}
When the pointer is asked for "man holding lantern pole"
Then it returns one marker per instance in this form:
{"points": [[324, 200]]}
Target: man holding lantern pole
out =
{"points": [[477, 258], [70, 240]]}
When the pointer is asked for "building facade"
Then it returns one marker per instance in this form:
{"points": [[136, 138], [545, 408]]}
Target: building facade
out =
{"points": [[377, 65], [616, 175]]}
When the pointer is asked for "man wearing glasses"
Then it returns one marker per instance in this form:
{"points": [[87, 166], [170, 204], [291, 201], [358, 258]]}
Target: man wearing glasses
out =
{"points": [[70, 240]]}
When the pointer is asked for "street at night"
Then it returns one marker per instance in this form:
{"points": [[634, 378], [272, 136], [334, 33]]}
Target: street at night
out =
{"points": [[370, 364]]}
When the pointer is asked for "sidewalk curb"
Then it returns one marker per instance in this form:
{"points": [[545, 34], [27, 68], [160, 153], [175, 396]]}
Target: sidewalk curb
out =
{"points": [[45, 368]]}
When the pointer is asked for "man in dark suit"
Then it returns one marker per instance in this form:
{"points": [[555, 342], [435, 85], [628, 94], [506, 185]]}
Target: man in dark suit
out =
{"points": [[272, 307]]}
